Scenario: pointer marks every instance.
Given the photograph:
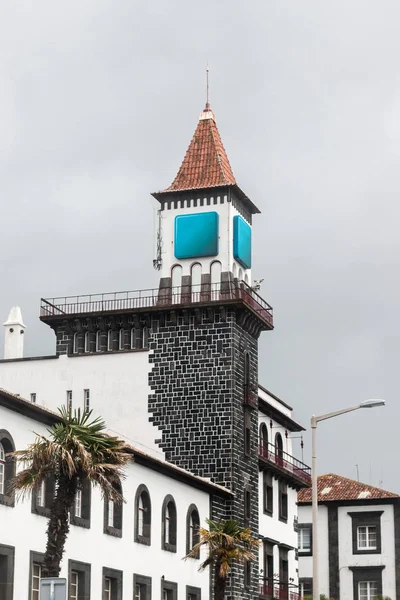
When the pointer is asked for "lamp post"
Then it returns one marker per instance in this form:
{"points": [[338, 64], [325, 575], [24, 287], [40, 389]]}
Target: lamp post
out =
{"points": [[314, 482]]}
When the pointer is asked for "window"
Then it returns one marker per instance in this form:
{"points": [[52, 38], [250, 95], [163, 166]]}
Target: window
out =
{"points": [[110, 340], [121, 339], [145, 337], [98, 341], [142, 516], [264, 440], [40, 495], [192, 528], [247, 432], [80, 512], [246, 378], [43, 497], [33, 398], [195, 272], [247, 574], [169, 524], [268, 499], [247, 507], [278, 449], [87, 341], [7, 468], [193, 593], [142, 587], [283, 502], [133, 338], [215, 270], [6, 572], [367, 582], [73, 586], [366, 532], [367, 590], [305, 587], [366, 537], [112, 584], [268, 564], [169, 590], [113, 516], [86, 400], [35, 574], [69, 400], [75, 343], [304, 536], [283, 565]]}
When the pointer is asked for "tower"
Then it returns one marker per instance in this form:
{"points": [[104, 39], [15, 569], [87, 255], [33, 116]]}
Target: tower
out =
{"points": [[14, 330]]}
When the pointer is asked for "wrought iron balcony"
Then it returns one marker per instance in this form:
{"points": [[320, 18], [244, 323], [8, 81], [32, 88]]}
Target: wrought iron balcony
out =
{"points": [[153, 299], [273, 589], [283, 463]]}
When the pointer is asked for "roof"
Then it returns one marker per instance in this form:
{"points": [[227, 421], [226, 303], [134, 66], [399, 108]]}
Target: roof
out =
{"points": [[334, 488], [264, 389], [206, 164], [48, 417]]}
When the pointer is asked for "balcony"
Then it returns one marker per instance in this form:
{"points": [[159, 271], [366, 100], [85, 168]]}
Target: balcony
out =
{"points": [[282, 463], [229, 293], [277, 590]]}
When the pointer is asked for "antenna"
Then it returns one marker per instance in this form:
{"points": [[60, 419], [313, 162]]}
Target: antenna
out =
{"points": [[208, 88], [358, 473]]}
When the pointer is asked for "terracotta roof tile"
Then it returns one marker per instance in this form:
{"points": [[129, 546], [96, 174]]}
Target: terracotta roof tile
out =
{"points": [[333, 487], [206, 163]]}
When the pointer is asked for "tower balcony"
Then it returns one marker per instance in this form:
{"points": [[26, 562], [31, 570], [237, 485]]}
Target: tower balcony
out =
{"points": [[153, 300], [282, 463]]}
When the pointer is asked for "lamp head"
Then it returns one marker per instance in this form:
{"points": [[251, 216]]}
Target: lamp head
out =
{"points": [[372, 403]]}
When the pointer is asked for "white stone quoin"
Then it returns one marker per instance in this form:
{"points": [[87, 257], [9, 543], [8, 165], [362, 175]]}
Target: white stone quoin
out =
{"points": [[14, 334]]}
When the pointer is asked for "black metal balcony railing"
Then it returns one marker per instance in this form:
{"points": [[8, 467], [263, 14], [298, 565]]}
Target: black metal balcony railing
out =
{"points": [[284, 461], [157, 298], [277, 590]]}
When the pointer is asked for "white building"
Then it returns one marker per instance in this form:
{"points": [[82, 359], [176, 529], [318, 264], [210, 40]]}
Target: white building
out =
{"points": [[174, 372], [358, 537]]}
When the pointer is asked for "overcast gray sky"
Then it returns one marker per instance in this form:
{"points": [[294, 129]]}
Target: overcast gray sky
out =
{"points": [[98, 102]]}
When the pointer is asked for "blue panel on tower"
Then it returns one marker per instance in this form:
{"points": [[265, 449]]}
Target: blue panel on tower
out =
{"points": [[242, 242], [196, 235]]}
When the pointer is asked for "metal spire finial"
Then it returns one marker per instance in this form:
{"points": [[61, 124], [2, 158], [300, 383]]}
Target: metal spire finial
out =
{"points": [[208, 88]]}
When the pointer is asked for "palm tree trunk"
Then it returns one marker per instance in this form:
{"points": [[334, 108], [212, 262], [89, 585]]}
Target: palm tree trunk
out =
{"points": [[219, 584], [58, 526]]}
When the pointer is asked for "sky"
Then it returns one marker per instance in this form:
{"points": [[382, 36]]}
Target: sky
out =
{"points": [[98, 102]]}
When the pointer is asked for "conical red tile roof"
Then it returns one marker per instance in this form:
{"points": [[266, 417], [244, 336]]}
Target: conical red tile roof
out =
{"points": [[206, 163]]}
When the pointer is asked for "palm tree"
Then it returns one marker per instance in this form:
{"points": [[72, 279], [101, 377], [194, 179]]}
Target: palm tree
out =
{"points": [[77, 449], [226, 542]]}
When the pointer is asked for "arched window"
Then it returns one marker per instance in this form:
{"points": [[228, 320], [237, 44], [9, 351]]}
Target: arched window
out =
{"points": [[7, 468], [142, 515], [216, 269], [80, 511], [121, 339], [98, 341], [246, 278], [176, 280], [75, 348], [246, 375], [263, 440], [234, 270], [192, 528], [110, 340], [87, 341], [240, 275], [195, 272], [113, 515], [43, 496], [278, 449], [168, 516], [145, 337]]}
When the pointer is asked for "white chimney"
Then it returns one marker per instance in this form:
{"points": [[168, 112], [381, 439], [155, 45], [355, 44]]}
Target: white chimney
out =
{"points": [[14, 334]]}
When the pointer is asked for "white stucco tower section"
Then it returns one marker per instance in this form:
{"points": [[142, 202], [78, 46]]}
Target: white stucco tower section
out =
{"points": [[14, 330]]}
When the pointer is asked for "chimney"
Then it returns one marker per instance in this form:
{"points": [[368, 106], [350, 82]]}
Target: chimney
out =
{"points": [[14, 334]]}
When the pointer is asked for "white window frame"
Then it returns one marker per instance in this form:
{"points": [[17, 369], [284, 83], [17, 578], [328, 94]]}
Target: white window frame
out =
{"points": [[145, 337], [33, 398], [107, 588], [111, 510], [86, 400], [2, 468], [110, 340], [138, 592], [301, 546], [98, 345], [140, 530], [167, 528], [75, 345], [368, 595], [69, 399], [368, 545], [78, 503], [87, 341], [35, 582], [191, 532], [74, 583], [40, 495]]}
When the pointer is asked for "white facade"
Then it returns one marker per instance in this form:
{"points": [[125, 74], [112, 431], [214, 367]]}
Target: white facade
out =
{"points": [[98, 548], [340, 558]]}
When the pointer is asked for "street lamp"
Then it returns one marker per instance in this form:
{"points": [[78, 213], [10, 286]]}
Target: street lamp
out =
{"points": [[314, 484]]}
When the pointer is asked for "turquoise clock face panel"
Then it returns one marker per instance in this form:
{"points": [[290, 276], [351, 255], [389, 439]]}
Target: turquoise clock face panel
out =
{"points": [[196, 235], [242, 242]]}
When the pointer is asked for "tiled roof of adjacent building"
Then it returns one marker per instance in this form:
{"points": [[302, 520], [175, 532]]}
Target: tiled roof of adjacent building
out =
{"points": [[206, 163], [333, 487]]}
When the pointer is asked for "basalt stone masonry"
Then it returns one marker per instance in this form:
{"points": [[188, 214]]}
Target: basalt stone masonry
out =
{"points": [[205, 366]]}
